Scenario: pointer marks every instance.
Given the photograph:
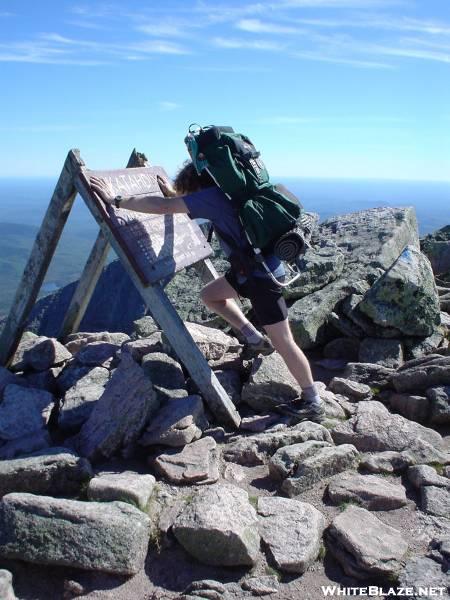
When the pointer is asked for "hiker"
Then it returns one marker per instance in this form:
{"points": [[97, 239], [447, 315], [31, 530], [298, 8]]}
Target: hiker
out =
{"points": [[199, 196]]}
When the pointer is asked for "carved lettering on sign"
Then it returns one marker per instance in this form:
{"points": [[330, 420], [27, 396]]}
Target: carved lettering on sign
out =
{"points": [[157, 245]]}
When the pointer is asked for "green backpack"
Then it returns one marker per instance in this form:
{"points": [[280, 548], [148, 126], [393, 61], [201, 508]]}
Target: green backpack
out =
{"points": [[231, 159]]}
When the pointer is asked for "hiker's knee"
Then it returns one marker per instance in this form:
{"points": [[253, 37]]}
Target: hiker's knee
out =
{"points": [[205, 295]]}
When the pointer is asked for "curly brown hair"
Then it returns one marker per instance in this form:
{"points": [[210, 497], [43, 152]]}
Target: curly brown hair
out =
{"points": [[187, 180]]}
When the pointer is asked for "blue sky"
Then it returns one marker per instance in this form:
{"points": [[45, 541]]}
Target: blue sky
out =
{"points": [[324, 88]]}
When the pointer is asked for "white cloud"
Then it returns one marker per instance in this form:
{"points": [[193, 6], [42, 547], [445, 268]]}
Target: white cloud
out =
{"points": [[166, 105], [377, 21], [162, 29], [53, 48], [257, 26], [412, 53], [251, 44], [343, 60]]}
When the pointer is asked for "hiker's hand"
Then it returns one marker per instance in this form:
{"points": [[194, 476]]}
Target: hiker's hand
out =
{"points": [[100, 186], [166, 188]]}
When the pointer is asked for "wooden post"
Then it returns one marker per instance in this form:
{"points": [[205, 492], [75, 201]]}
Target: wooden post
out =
{"points": [[92, 270], [85, 287], [38, 263], [167, 318]]}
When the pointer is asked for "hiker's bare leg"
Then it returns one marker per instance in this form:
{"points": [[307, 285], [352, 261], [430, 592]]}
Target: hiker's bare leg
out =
{"points": [[283, 341], [220, 297]]}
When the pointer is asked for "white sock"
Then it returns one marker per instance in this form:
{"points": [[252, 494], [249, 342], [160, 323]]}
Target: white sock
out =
{"points": [[251, 334], [311, 394]]}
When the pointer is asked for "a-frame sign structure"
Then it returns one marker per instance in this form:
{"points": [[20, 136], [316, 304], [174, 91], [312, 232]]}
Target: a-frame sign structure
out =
{"points": [[150, 247]]}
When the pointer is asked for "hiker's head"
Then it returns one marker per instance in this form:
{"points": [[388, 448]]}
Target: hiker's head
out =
{"points": [[188, 180]]}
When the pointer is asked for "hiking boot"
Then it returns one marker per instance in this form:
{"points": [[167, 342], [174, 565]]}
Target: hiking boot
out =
{"points": [[302, 410], [253, 350]]}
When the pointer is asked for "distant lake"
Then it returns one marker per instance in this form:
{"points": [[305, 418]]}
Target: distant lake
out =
{"points": [[24, 201]]}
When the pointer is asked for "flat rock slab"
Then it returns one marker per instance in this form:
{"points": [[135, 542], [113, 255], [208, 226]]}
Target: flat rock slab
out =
{"points": [[139, 348], [352, 389], [23, 411], [423, 373], [323, 463], [414, 408], [388, 461], [270, 383], [219, 526], [435, 500], [177, 423], [262, 585], [80, 399], [420, 475], [423, 572], [364, 545], [373, 428], [286, 459], [56, 471], [39, 353], [308, 316], [111, 537], [375, 376], [405, 296], [164, 371], [127, 487], [381, 351], [317, 268], [292, 531], [440, 404], [120, 414], [256, 449], [197, 462], [96, 353], [76, 341], [369, 491], [213, 343]]}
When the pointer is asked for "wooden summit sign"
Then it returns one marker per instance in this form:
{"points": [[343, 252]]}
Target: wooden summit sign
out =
{"points": [[150, 248], [157, 245]]}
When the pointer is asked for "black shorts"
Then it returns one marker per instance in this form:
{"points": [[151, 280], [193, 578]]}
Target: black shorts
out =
{"points": [[266, 297]]}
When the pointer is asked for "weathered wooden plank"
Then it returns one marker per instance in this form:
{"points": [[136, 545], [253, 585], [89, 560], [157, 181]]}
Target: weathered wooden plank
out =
{"points": [[41, 254], [206, 270], [159, 245], [169, 320], [92, 270]]}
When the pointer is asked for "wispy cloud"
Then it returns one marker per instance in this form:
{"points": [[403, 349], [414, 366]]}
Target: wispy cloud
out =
{"points": [[162, 29], [380, 22], [341, 60], [167, 105], [234, 43], [4, 13], [257, 26], [412, 53], [53, 48], [85, 24], [159, 47]]}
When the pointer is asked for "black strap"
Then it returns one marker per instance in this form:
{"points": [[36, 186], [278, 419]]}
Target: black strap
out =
{"points": [[210, 232]]}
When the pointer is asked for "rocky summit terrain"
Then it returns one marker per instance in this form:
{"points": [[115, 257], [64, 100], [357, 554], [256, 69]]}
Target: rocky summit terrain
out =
{"points": [[116, 482]]}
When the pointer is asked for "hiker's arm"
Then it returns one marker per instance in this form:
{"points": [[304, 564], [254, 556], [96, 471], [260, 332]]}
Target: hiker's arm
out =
{"points": [[159, 205]]}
